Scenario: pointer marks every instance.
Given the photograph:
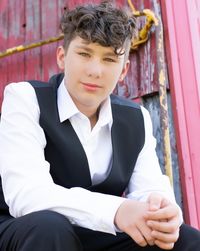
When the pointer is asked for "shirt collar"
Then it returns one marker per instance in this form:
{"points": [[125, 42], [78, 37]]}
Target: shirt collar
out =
{"points": [[67, 108], [105, 114]]}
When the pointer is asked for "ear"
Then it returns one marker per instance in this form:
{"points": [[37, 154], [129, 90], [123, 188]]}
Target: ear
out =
{"points": [[60, 54], [124, 70]]}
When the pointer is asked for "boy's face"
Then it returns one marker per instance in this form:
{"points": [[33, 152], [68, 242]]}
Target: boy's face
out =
{"points": [[91, 72]]}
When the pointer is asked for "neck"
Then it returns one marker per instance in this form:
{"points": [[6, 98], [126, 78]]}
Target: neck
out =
{"points": [[91, 113], [92, 116], [93, 120]]}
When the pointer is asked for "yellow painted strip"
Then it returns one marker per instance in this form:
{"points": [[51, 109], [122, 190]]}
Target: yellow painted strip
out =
{"points": [[163, 104], [22, 48]]}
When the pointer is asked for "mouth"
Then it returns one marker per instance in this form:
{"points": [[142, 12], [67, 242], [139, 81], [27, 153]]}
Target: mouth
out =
{"points": [[91, 86]]}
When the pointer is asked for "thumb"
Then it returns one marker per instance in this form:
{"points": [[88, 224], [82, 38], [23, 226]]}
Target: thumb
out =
{"points": [[155, 201]]}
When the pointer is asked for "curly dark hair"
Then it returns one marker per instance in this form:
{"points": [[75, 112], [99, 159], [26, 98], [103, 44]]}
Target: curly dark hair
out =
{"points": [[105, 24]]}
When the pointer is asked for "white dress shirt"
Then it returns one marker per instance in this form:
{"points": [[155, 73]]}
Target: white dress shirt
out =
{"points": [[27, 183]]}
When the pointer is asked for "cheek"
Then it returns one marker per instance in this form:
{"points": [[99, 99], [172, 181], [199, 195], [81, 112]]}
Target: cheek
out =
{"points": [[73, 69], [114, 76]]}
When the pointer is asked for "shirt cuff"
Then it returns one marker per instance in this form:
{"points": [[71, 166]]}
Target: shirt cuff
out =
{"points": [[107, 215]]}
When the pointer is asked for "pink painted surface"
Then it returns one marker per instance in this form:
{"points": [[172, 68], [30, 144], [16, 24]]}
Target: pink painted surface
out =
{"points": [[183, 48]]}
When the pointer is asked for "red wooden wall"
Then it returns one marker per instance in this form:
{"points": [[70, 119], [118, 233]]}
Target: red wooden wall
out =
{"points": [[182, 24]]}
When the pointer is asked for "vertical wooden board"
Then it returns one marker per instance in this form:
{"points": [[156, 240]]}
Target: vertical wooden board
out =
{"points": [[61, 7], [146, 66], [15, 37], [73, 3], [129, 87], [3, 45], [32, 34], [190, 91], [145, 62], [137, 60], [179, 39], [148, 58], [49, 28], [153, 105], [192, 95], [198, 11]]}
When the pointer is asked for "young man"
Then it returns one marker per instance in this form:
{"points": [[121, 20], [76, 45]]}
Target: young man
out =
{"points": [[78, 165]]}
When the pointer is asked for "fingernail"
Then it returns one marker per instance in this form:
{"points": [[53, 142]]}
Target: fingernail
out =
{"points": [[151, 243]]}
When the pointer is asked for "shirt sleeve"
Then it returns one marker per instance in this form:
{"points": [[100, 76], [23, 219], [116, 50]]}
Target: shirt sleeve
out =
{"points": [[147, 176], [27, 183]]}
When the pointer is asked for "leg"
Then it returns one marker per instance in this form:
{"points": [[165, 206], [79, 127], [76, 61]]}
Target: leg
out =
{"points": [[43, 230], [96, 241], [99, 241], [189, 239]]}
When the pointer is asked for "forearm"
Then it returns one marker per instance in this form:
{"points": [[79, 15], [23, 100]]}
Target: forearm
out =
{"points": [[32, 189], [27, 183]]}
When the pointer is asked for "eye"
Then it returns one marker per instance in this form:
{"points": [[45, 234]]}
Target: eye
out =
{"points": [[84, 54], [111, 60]]}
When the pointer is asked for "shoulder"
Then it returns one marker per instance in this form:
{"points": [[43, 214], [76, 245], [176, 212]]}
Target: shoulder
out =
{"points": [[53, 82], [119, 101], [21, 95], [25, 90], [19, 88], [125, 104]]}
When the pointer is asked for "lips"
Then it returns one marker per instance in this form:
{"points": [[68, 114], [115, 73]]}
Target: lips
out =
{"points": [[91, 86]]}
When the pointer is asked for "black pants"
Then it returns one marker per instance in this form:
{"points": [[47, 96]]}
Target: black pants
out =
{"points": [[50, 231]]}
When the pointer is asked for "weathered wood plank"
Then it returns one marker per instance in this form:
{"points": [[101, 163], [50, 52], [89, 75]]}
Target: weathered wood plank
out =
{"points": [[3, 45], [32, 34], [16, 19], [49, 28], [153, 106], [183, 44]]}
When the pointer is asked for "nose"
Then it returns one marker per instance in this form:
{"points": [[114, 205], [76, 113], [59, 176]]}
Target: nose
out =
{"points": [[94, 69]]}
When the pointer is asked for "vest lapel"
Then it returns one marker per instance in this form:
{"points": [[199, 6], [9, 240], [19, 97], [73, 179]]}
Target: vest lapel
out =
{"points": [[125, 151], [68, 155]]}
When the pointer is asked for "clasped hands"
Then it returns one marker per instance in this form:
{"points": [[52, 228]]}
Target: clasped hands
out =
{"points": [[155, 222]]}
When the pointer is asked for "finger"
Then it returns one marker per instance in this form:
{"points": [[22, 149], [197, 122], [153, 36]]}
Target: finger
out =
{"points": [[165, 237], [163, 226], [163, 245], [150, 240], [146, 232], [163, 213], [137, 236], [155, 201]]}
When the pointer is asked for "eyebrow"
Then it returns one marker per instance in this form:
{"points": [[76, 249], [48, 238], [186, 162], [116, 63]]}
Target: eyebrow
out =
{"points": [[108, 54], [84, 48]]}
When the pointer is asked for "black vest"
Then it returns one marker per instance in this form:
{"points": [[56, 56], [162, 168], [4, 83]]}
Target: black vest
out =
{"points": [[68, 161]]}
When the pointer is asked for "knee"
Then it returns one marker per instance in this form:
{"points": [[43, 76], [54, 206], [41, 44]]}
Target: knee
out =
{"points": [[52, 227], [48, 221]]}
